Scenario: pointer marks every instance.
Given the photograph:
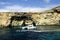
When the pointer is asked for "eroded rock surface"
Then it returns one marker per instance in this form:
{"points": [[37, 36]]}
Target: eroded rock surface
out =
{"points": [[49, 17]]}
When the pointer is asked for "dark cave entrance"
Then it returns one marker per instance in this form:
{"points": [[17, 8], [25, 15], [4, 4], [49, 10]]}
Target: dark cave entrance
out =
{"points": [[23, 17]]}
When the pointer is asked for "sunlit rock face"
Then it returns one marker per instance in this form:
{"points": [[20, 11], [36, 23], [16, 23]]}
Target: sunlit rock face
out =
{"points": [[17, 23], [28, 22], [4, 19], [48, 17]]}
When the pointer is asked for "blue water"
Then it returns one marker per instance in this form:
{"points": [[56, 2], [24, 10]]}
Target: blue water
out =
{"points": [[12, 34]]}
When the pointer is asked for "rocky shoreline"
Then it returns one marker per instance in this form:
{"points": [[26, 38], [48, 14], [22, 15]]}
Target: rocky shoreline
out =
{"points": [[49, 17]]}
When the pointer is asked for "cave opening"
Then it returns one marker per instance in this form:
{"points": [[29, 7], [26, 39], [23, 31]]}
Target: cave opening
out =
{"points": [[19, 18]]}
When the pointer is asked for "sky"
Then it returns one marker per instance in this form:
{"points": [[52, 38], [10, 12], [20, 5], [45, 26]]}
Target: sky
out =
{"points": [[27, 5]]}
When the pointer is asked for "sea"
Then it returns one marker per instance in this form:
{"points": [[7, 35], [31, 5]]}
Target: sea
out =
{"points": [[17, 34]]}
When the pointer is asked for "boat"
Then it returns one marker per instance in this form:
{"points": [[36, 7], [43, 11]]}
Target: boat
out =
{"points": [[28, 27]]}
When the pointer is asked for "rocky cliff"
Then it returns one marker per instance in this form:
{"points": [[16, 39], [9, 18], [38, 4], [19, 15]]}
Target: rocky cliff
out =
{"points": [[48, 17]]}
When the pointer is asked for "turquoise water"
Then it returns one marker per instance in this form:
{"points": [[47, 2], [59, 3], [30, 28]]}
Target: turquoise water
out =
{"points": [[12, 34]]}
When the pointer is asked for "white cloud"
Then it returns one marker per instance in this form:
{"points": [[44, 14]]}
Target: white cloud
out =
{"points": [[4, 3], [17, 8], [3, 10], [47, 1], [26, 0]]}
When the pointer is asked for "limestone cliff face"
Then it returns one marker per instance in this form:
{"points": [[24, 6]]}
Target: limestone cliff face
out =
{"points": [[49, 17], [5, 18]]}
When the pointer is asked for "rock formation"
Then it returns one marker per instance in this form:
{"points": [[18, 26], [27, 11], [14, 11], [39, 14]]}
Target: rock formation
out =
{"points": [[48, 17]]}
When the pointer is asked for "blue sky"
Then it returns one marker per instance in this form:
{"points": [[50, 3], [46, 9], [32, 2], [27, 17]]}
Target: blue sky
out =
{"points": [[27, 5]]}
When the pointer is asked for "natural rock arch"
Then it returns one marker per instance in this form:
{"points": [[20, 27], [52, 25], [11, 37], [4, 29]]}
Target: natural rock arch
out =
{"points": [[23, 17]]}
